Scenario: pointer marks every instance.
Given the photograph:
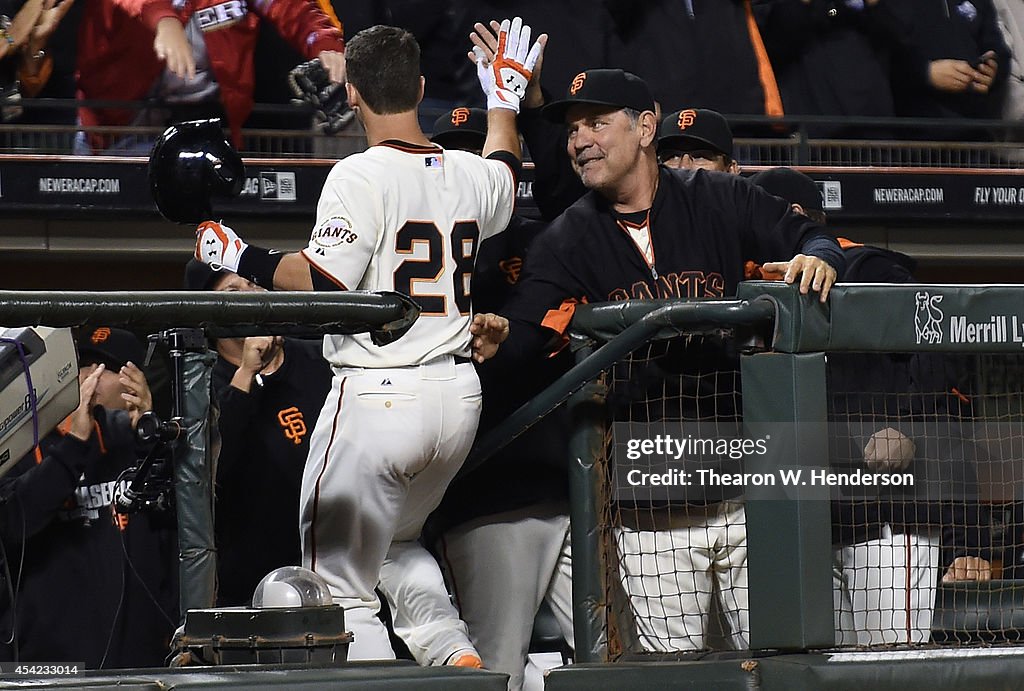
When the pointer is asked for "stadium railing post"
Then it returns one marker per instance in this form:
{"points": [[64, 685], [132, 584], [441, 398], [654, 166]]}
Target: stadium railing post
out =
{"points": [[788, 528], [586, 448]]}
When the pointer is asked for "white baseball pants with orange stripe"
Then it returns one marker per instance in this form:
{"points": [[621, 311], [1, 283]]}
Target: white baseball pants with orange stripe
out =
{"points": [[884, 589], [384, 449]]}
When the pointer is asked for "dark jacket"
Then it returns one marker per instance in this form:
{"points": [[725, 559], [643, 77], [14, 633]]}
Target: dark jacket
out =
{"points": [[938, 29], [264, 442], [94, 587], [532, 468], [694, 54], [830, 58], [703, 226]]}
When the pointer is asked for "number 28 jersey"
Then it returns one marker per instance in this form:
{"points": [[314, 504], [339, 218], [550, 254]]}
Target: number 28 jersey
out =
{"points": [[410, 219]]}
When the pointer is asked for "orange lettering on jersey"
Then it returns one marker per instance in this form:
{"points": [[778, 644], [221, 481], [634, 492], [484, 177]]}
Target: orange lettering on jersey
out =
{"points": [[577, 83], [511, 267], [119, 519], [460, 116], [101, 334], [686, 118], [293, 424]]}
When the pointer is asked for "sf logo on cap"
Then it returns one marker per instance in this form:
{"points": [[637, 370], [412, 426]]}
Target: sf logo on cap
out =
{"points": [[577, 83], [686, 118], [460, 115], [101, 334]]}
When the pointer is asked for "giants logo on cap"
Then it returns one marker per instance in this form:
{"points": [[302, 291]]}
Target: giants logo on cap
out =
{"points": [[460, 116], [101, 334], [577, 83], [686, 118]]}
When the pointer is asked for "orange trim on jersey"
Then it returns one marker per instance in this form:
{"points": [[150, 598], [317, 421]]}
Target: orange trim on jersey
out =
{"points": [[326, 274], [765, 73], [626, 225], [752, 271], [64, 428], [316, 494], [558, 319], [848, 244], [411, 148]]}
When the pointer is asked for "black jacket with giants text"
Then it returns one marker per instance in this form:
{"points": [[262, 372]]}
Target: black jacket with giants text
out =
{"points": [[703, 228]]}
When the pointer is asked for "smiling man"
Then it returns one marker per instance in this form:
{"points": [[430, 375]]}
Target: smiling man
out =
{"points": [[646, 231]]}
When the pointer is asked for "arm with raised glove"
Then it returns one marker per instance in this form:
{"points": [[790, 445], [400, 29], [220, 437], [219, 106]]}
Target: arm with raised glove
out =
{"points": [[504, 61]]}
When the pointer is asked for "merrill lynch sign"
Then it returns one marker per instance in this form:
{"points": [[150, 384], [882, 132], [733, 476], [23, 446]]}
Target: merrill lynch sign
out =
{"points": [[932, 325]]}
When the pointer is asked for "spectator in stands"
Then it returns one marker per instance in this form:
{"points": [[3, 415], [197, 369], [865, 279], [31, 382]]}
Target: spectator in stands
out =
{"points": [[39, 63], [89, 585], [832, 58], [194, 61], [269, 392], [952, 62], [715, 51], [894, 413], [696, 138], [611, 126], [503, 527]]}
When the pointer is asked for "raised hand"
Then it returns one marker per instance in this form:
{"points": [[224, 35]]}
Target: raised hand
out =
{"points": [[504, 65]]}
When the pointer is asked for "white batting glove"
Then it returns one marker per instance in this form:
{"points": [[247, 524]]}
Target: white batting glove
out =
{"points": [[505, 78], [889, 450], [217, 244]]}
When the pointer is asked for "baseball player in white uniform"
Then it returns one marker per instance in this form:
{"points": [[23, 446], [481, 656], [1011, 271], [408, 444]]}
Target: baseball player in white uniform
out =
{"points": [[406, 216]]}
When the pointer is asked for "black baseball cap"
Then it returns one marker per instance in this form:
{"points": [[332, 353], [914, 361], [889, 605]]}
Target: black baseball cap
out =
{"points": [[791, 185], [111, 346], [461, 128], [602, 87], [200, 276], [691, 129]]}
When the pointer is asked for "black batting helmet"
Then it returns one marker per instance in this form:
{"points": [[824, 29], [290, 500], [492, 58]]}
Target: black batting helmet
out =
{"points": [[191, 162]]}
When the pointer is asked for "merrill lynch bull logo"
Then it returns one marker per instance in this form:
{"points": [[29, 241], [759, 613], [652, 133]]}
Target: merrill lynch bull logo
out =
{"points": [[928, 318]]}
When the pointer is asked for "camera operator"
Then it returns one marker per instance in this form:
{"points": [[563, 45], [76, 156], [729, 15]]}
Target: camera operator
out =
{"points": [[84, 583]]}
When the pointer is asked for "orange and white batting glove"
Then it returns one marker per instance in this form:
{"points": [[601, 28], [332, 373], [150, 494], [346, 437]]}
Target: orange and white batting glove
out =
{"points": [[218, 245], [504, 78]]}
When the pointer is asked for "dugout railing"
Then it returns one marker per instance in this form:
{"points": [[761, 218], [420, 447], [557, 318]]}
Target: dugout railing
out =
{"points": [[786, 348]]}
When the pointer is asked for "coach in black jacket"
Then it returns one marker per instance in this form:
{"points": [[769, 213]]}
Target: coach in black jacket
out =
{"points": [[643, 231]]}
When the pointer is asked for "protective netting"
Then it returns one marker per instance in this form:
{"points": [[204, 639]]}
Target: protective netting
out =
{"points": [[677, 546], [930, 556], [927, 518]]}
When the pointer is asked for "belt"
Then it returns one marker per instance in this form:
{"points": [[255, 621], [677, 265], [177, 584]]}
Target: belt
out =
{"points": [[460, 360]]}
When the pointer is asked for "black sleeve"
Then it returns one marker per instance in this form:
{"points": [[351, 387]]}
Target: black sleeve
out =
{"points": [[237, 409], [824, 247], [547, 288], [32, 493], [774, 232], [556, 186]]}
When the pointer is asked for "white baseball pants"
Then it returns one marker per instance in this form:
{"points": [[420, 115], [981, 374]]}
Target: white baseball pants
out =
{"points": [[384, 449]]}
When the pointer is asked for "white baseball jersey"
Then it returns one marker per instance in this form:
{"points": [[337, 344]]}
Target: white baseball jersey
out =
{"points": [[410, 219]]}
